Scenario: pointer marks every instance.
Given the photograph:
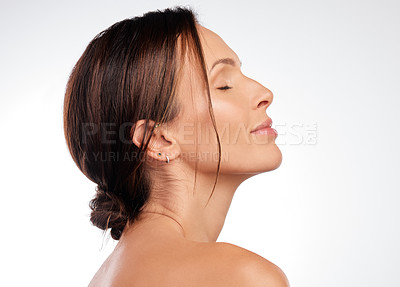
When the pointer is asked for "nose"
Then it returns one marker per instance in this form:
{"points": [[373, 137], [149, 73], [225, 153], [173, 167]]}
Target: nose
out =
{"points": [[262, 98]]}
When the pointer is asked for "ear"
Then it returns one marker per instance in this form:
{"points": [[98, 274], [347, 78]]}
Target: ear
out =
{"points": [[162, 142]]}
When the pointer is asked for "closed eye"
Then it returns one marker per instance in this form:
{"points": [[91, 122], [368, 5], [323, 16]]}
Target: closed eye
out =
{"points": [[224, 88]]}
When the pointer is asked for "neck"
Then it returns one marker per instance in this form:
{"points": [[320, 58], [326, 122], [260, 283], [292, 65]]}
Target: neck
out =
{"points": [[188, 212]]}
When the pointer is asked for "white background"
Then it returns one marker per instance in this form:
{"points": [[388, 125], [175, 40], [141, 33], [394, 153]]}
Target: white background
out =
{"points": [[328, 216]]}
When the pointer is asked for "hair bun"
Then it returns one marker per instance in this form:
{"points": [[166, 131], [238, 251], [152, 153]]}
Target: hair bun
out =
{"points": [[108, 211]]}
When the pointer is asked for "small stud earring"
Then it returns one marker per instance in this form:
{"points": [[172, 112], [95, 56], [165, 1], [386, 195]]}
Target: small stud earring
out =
{"points": [[157, 125], [159, 154]]}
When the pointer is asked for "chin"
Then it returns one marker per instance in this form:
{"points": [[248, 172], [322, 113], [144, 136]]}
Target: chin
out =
{"points": [[272, 161], [277, 159], [251, 163], [275, 165], [257, 165]]}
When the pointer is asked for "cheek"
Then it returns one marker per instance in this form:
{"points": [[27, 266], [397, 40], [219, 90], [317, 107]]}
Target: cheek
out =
{"points": [[232, 119], [194, 127]]}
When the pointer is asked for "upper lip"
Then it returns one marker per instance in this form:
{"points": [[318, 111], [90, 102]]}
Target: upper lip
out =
{"points": [[266, 124]]}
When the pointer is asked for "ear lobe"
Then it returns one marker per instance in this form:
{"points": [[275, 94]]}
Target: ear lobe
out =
{"points": [[162, 145], [161, 141]]}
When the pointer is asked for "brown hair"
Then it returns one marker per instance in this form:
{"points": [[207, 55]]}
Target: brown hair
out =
{"points": [[128, 72]]}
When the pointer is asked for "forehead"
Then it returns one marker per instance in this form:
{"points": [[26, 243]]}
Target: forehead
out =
{"points": [[214, 47]]}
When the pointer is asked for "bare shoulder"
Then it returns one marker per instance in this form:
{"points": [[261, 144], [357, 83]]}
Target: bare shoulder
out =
{"points": [[200, 264], [242, 267]]}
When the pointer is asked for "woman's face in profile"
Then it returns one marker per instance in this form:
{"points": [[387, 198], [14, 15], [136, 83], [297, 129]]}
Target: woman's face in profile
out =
{"points": [[239, 104]]}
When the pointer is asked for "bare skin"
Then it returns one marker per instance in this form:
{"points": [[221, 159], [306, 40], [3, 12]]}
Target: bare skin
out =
{"points": [[173, 242]]}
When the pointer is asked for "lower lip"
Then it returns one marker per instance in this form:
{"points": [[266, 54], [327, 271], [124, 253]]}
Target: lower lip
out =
{"points": [[266, 131]]}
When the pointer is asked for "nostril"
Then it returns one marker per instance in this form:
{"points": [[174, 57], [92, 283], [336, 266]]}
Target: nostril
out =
{"points": [[262, 103]]}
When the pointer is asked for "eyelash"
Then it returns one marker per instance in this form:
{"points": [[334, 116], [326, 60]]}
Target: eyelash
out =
{"points": [[224, 88]]}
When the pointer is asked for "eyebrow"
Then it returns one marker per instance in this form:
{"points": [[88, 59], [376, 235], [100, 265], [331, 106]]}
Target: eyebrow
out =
{"points": [[227, 61]]}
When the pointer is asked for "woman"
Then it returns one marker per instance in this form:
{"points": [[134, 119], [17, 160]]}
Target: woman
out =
{"points": [[158, 114]]}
